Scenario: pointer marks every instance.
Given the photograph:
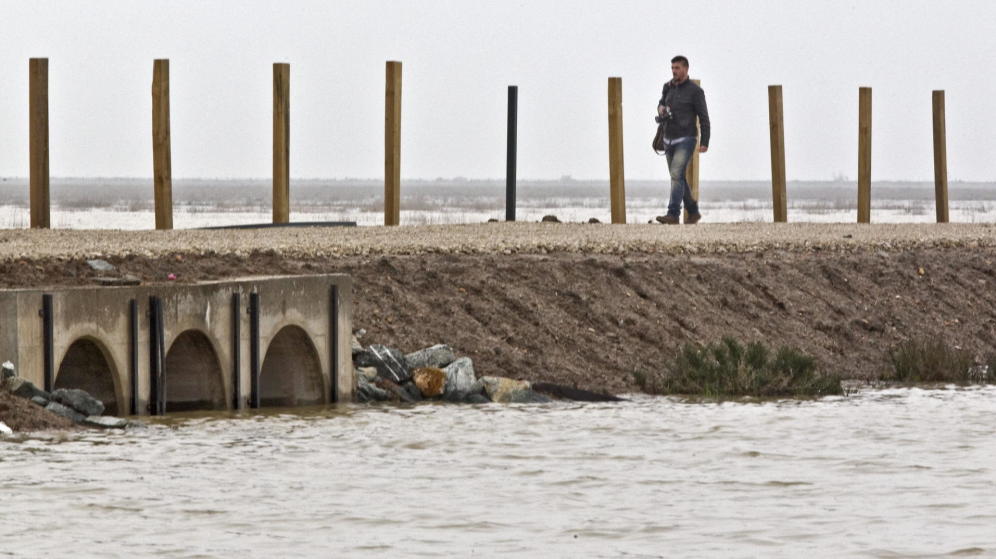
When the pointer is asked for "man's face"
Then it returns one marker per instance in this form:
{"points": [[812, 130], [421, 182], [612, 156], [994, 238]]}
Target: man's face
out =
{"points": [[679, 71]]}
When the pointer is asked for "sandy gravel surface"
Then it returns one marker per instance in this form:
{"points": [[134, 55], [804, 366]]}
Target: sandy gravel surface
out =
{"points": [[494, 238]]}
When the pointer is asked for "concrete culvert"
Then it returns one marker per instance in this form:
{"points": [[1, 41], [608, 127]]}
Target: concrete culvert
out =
{"points": [[86, 366], [193, 374], [291, 374]]}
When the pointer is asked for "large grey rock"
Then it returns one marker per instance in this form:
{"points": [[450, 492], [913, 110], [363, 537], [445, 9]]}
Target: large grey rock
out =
{"points": [[477, 399], [25, 389], [437, 357], [7, 371], [413, 391], [69, 413], [461, 380], [396, 391], [390, 363], [39, 400], [79, 400], [100, 265], [106, 422]]}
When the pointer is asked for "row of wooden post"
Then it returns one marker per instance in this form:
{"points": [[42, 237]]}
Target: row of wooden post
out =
{"points": [[779, 197], [162, 167]]}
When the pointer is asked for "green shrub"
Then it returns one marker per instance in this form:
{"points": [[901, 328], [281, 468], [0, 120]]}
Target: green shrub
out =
{"points": [[934, 360], [728, 369]]}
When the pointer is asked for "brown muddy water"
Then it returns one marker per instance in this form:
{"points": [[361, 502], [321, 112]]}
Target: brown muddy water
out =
{"points": [[881, 473]]}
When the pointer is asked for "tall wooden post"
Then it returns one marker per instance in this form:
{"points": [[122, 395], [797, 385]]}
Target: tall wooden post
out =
{"points": [[779, 201], [692, 171], [38, 142], [162, 171], [392, 145], [617, 178], [864, 154], [281, 143], [940, 158]]}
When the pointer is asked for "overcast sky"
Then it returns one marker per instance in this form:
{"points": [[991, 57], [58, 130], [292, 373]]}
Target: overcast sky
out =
{"points": [[459, 57]]}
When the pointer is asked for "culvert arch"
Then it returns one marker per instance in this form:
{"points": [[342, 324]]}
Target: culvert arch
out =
{"points": [[88, 365], [193, 376], [291, 374]]}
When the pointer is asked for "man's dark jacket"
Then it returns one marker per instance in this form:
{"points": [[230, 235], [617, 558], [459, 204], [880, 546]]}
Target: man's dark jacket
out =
{"points": [[687, 100]]}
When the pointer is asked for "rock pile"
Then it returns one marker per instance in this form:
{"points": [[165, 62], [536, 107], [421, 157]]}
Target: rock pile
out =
{"points": [[76, 405], [433, 373]]}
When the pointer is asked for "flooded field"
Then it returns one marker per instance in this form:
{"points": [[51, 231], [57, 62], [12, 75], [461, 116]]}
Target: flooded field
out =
{"points": [[880, 473]]}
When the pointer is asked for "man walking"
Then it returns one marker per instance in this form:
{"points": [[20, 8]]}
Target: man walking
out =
{"points": [[681, 101]]}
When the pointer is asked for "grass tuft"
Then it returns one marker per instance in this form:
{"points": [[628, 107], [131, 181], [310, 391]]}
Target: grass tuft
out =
{"points": [[730, 369], [934, 360]]}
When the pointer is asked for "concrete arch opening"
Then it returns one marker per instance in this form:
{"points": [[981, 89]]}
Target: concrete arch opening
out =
{"points": [[87, 366], [291, 374], [193, 374]]}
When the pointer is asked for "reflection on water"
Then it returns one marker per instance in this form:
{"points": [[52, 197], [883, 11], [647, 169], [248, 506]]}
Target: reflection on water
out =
{"points": [[882, 473]]}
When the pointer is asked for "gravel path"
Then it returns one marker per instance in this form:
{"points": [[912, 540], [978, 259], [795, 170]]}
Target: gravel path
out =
{"points": [[493, 238]]}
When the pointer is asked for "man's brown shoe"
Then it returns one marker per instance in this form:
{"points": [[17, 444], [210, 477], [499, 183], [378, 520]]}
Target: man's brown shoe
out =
{"points": [[692, 219], [667, 219]]}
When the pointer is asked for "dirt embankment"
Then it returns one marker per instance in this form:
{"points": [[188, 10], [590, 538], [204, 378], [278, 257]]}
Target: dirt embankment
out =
{"points": [[591, 320], [24, 415]]}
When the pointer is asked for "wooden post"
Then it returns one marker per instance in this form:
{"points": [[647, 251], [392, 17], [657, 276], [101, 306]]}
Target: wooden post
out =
{"points": [[864, 154], [38, 142], [617, 177], [510, 152], [162, 170], [392, 145], [779, 200], [692, 171], [940, 158], [281, 143]]}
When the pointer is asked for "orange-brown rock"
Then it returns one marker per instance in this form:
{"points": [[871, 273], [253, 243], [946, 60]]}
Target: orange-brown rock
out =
{"points": [[430, 381]]}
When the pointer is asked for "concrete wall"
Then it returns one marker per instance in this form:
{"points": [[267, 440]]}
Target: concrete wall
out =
{"points": [[299, 306]]}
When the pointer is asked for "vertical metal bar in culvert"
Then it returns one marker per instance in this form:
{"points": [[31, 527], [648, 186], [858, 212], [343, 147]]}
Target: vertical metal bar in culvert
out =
{"points": [[281, 143], [864, 154], [254, 365], [155, 364], [161, 350], [334, 343], [617, 177], [162, 170], [133, 355], [940, 157], [392, 145], [510, 153], [38, 142], [236, 351], [48, 342], [779, 199]]}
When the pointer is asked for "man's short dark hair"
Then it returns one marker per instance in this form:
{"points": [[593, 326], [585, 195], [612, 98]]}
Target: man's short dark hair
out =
{"points": [[681, 59]]}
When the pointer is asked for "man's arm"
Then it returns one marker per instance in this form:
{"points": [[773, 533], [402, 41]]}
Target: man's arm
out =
{"points": [[660, 104], [703, 113]]}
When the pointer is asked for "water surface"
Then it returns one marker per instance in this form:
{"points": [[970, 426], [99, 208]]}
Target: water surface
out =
{"points": [[900, 472]]}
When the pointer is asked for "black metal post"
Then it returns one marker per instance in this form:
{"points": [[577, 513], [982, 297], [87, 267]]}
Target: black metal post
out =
{"points": [[334, 343], [254, 349], [48, 342], [236, 351], [513, 111], [154, 363], [133, 354]]}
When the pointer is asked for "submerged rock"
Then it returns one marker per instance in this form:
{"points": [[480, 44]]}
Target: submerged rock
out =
{"points": [[79, 400], [67, 412], [437, 356], [105, 422], [394, 390], [570, 393], [550, 219], [367, 392], [509, 391], [431, 381], [389, 362]]}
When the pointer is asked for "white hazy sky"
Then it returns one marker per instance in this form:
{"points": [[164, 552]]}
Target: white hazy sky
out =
{"points": [[459, 57]]}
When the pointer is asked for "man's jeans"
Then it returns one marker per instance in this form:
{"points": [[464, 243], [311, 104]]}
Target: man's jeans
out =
{"points": [[678, 157]]}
